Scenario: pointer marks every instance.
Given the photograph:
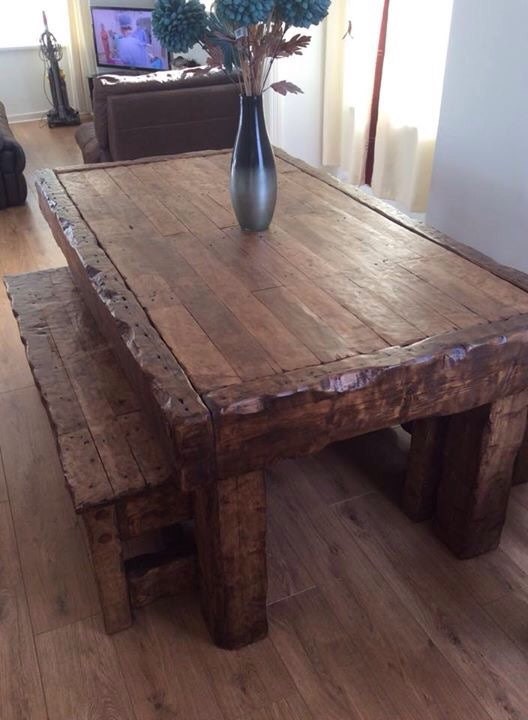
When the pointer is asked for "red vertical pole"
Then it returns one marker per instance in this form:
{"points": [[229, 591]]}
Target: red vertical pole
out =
{"points": [[374, 108]]}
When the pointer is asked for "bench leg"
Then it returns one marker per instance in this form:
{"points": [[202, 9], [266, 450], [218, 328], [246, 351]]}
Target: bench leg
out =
{"points": [[230, 529], [107, 557], [480, 451], [424, 467]]}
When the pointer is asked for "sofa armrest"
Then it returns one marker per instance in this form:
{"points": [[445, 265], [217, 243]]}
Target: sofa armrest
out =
{"points": [[12, 156], [89, 145], [13, 188]]}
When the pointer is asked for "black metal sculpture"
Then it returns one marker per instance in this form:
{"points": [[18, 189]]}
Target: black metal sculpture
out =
{"points": [[51, 53]]}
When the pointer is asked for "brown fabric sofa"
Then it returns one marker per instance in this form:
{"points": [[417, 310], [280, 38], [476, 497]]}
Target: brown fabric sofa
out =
{"points": [[13, 188], [162, 113]]}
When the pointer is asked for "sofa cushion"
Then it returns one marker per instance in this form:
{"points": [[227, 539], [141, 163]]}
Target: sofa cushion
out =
{"points": [[106, 86]]}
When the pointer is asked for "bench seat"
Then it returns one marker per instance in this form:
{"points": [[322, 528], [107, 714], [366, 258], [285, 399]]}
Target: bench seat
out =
{"points": [[115, 468]]}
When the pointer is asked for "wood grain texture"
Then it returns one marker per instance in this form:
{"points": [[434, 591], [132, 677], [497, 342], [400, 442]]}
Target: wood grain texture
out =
{"points": [[3, 486], [179, 416], [54, 560], [109, 567], [357, 597], [161, 577], [480, 451], [81, 673], [107, 445], [20, 686], [230, 529], [304, 410], [424, 469]]}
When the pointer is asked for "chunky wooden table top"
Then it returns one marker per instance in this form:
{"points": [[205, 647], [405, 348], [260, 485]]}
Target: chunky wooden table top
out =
{"points": [[343, 318]]}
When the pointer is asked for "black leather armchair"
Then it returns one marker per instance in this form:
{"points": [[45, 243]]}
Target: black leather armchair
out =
{"points": [[13, 188]]}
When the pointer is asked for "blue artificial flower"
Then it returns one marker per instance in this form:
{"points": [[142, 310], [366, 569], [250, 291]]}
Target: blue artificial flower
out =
{"points": [[241, 13], [303, 13], [179, 24]]}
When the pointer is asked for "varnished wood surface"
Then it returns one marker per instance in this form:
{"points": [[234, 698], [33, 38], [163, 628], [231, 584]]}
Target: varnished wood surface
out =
{"points": [[372, 617], [332, 278], [108, 448], [290, 337]]}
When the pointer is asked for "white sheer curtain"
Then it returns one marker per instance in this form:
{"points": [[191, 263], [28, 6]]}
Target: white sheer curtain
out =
{"points": [[348, 84], [80, 53], [411, 89]]}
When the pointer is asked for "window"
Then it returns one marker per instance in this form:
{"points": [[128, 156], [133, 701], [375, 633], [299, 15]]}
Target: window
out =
{"points": [[22, 23]]}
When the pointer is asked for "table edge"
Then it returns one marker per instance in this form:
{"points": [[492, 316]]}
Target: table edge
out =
{"points": [[302, 411], [187, 436]]}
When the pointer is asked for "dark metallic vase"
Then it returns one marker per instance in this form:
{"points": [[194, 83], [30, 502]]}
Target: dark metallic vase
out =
{"points": [[253, 181]]}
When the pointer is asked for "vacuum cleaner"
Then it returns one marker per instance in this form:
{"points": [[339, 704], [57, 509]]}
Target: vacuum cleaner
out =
{"points": [[51, 53]]}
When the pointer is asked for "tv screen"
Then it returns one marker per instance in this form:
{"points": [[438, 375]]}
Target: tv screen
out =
{"points": [[123, 37]]}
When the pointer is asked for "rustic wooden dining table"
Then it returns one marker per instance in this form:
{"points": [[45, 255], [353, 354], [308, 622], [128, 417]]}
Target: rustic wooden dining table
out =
{"points": [[344, 318]]}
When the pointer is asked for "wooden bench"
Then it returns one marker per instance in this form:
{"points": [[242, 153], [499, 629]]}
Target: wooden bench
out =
{"points": [[139, 526]]}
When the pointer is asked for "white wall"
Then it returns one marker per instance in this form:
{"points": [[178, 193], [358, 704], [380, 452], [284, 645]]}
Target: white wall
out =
{"points": [[479, 190], [295, 121], [22, 83]]}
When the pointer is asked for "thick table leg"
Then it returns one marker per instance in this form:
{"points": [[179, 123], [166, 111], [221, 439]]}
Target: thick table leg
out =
{"points": [[230, 528], [424, 467], [480, 451], [107, 557]]}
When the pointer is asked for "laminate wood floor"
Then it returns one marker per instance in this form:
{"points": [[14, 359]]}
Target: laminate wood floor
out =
{"points": [[371, 618]]}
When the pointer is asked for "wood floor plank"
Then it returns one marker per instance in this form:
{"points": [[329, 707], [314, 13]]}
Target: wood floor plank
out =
{"points": [[330, 673], [287, 573], [243, 681], [21, 693], [14, 370], [163, 675], [3, 485], [57, 572], [510, 612], [292, 708], [484, 658], [81, 673], [515, 538], [400, 656]]}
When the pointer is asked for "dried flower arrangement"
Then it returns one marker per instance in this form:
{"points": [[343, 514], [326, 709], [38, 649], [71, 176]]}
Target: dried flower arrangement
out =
{"points": [[243, 37]]}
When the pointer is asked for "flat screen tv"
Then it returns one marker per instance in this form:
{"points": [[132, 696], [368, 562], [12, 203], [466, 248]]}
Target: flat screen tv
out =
{"points": [[123, 38]]}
